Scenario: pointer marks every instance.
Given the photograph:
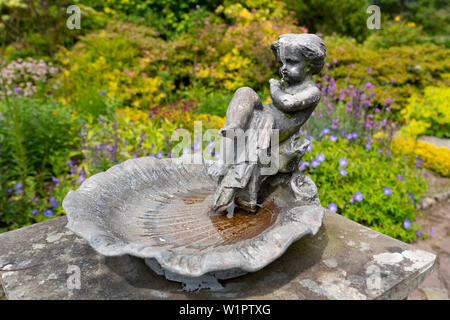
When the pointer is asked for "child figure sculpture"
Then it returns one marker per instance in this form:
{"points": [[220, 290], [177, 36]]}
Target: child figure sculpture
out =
{"points": [[294, 99]]}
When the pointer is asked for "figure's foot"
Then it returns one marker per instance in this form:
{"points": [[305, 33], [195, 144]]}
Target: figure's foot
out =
{"points": [[223, 200]]}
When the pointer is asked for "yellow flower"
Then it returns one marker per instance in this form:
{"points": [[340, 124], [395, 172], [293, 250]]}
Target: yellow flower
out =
{"points": [[397, 18]]}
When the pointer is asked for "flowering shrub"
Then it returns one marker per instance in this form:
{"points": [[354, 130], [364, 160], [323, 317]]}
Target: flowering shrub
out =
{"points": [[396, 72], [228, 56], [347, 112], [36, 138], [396, 33], [434, 158], [352, 164], [24, 77], [131, 69], [133, 133], [428, 115], [367, 185]]}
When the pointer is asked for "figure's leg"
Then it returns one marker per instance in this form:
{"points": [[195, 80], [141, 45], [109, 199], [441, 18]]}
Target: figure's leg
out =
{"points": [[240, 109]]}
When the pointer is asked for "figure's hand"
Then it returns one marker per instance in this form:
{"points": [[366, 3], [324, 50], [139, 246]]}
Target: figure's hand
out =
{"points": [[274, 83]]}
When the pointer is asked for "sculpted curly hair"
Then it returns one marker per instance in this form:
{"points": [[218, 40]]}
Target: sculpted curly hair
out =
{"points": [[309, 46]]}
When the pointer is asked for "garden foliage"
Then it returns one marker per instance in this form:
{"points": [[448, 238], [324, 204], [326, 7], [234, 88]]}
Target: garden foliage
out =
{"points": [[76, 103]]}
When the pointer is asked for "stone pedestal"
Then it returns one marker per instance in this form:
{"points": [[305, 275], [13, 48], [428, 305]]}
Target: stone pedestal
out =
{"points": [[344, 260]]}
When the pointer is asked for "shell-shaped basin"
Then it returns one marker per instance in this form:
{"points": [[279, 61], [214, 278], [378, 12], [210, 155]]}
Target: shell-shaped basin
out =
{"points": [[152, 208]]}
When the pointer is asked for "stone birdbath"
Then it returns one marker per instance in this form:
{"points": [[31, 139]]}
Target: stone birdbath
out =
{"points": [[197, 222]]}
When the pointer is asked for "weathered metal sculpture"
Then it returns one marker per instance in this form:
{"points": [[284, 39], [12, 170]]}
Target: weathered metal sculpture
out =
{"points": [[294, 99]]}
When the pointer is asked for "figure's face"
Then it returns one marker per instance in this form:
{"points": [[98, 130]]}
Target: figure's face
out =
{"points": [[292, 64]]}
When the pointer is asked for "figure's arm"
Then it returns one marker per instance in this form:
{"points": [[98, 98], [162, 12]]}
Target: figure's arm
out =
{"points": [[293, 102]]}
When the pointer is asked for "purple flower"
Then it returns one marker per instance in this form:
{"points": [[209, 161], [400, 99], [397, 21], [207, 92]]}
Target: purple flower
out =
{"points": [[351, 201], [17, 90], [354, 135], [102, 93], [368, 144], [56, 181], [400, 177], [369, 70], [342, 172], [307, 136], [18, 186], [159, 154], [419, 161], [388, 102], [197, 145], [69, 163], [325, 131], [334, 61], [320, 157], [209, 151], [80, 179], [406, 224], [34, 212], [48, 212], [343, 162], [377, 111], [315, 163], [53, 202], [358, 196], [387, 191], [412, 197], [332, 207], [197, 6], [431, 229], [333, 138], [302, 165], [73, 169], [418, 233]]}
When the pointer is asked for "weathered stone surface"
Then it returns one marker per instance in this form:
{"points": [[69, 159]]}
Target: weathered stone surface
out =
{"points": [[2, 294], [438, 142], [344, 260]]}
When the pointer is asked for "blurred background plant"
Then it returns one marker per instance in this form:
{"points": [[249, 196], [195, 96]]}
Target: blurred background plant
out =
{"points": [[76, 102]]}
